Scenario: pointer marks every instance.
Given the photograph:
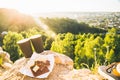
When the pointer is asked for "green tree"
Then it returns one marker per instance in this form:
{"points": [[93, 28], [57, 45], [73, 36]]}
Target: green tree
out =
{"points": [[65, 46], [10, 45], [112, 40], [64, 25], [47, 43], [89, 49]]}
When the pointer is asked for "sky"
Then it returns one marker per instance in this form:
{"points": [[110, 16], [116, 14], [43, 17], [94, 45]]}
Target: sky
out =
{"points": [[39, 6]]}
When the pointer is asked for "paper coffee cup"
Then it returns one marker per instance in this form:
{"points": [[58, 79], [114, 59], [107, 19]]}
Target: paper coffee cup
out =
{"points": [[37, 43], [26, 47]]}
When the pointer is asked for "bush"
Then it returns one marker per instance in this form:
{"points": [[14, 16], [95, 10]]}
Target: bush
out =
{"points": [[10, 45], [90, 49]]}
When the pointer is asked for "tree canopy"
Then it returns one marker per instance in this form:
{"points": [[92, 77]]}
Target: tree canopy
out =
{"points": [[64, 25]]}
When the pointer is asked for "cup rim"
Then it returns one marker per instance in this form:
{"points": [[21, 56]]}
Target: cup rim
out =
{"points": [[23, 40], [35, 36]]}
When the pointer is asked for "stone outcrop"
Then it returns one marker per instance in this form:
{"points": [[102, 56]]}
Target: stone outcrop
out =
{"points": [[62, 66], [63, 70], [5, 62]]}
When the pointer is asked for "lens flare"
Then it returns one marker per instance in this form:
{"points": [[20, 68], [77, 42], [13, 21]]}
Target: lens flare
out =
{"points": [[44, 26]]}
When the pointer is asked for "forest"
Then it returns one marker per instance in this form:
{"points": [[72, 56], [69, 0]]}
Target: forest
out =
{"points": [[88, 46]]}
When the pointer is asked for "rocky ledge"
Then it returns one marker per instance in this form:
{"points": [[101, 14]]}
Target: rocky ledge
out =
{"points": [[63, 70]]}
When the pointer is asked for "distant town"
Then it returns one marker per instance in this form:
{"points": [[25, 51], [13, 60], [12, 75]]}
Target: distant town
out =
{"points": [[102, 20]]}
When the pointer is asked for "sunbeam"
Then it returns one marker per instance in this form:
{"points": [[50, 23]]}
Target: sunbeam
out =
{"points": [[44, 26]]}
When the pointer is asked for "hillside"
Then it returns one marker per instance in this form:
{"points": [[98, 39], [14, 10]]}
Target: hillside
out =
{"points": [[64, 25], [13, 20]]}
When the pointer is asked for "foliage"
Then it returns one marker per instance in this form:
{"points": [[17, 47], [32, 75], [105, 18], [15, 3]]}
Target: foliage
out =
{"points": [[87, 46], [47, 43], [64, 44], [64, 25], [1, 60], [10, 45], [30, 32], [89, 49]]}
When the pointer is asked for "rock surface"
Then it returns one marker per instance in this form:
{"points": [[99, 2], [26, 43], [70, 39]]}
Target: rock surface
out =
{"points": [[5, 62], [63, 70]]}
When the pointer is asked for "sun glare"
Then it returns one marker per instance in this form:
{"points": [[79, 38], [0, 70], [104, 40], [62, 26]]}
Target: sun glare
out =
{"points": [[30, 7], [44, 26], [23, 6], [38, 6]]}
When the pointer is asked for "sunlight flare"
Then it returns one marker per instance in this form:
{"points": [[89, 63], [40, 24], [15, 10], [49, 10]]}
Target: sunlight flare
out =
{"points": [[44, 26], [38, 6]]}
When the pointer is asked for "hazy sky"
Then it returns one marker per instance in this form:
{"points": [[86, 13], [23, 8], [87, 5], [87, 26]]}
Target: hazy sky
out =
{"points": [[33, 6]]}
